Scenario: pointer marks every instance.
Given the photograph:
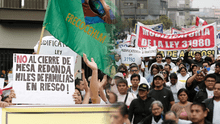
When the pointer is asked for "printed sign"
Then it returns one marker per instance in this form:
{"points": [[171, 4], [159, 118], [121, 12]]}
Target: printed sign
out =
{"points": [[131, 55], [149, 51], [43, 79]]}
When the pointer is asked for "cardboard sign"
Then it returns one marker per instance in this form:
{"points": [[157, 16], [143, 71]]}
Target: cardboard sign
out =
{"points": [[202, 39], [148, 51], [131, 55], [43, 79]]}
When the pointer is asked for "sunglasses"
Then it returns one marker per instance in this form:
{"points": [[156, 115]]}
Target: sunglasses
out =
{"points": [[122, 72], [134, 70], [163, 72]]}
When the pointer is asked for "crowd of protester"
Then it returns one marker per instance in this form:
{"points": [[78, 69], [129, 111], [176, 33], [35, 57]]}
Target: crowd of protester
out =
{"points": [[181, 91]]}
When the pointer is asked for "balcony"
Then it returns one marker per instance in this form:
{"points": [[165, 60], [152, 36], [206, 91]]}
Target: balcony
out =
{"points": [[23, 10]]}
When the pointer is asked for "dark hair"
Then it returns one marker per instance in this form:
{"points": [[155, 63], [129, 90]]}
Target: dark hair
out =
{"points": [[135, 75], [208, 59], [168, 65], [160, 54], [79, 92], [181, 69], [205, 62], [167, 78], [122, 66], [173, 75], [182, 64], [199, 104], [190, 70], [179, 59], [77, 81], [217, 64], [182, 90], [160, 66], [122, 108], [122, 81], [169, 122], [115, 95], [198, 53], [4, 98], [154, 66], [171, 112], [210, 76]]}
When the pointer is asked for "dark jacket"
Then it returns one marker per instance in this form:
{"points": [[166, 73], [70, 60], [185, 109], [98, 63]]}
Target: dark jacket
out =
{"points": [[201, 95], [151, 61], [206, 122], [148, 119], [140, 109], [190, 61], [210, 105]]}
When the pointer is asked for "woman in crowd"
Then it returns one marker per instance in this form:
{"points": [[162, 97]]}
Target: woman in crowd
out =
{"points": [[182, 108], [165, 75], [119, 114], [123, 69], [183, 75], [176, 68], [154, 70], [193, 69], [157, 116]]}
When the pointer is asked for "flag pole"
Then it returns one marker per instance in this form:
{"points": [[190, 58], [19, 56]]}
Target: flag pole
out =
{"points": [[41, 36]]}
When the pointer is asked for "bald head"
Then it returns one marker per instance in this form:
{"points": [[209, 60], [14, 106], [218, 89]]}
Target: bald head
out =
{"points": [[171, 115]]}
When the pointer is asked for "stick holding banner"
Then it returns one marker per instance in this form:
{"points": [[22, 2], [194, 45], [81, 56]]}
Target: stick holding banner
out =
{"points": [[41, 36]]}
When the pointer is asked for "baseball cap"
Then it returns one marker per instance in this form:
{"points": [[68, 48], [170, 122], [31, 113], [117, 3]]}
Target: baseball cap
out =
{"points": [[159, 75], [119, 74], [143, 86]]}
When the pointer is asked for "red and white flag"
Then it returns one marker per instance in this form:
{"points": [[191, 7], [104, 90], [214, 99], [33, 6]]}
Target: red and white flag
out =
{"points": [[200, 22]]}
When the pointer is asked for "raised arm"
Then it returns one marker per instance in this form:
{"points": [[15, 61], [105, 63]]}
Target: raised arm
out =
{"points": [[94, 86], [101, 85]]}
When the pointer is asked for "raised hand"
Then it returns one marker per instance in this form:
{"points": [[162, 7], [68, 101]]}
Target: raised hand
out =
{"points": [[91, 64]]}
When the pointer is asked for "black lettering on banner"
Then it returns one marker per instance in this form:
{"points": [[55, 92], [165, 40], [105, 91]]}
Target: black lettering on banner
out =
{"points": [[32, 59], [31, 86]]}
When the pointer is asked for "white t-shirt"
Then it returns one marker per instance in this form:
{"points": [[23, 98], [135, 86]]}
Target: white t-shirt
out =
{"points": [[216, 112], [175, 88], [210, 93], [131, 96], [118, 63], [142, 66], [182, 79], [146, 71], [172, 66], [142, 80]]}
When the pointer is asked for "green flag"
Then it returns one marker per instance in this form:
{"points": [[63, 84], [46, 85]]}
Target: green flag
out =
{"points": [[84, 26]]}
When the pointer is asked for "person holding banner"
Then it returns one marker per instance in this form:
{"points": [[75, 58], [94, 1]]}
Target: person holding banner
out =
{"points": [[198, 58]]}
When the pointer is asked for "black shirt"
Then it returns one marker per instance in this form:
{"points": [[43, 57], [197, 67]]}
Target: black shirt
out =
{"points": [[193, 89], [217, 77], [140, 109], [165, 96]]}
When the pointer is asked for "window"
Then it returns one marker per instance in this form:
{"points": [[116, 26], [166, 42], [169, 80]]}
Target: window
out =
{"points": [[181, 13]]}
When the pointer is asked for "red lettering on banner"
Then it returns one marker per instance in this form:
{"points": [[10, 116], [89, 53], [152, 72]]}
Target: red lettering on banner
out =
{"points": [[202, 38], [21, 59]]}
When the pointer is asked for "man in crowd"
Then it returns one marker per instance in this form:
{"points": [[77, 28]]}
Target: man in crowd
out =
{"points": [[123, 95], [169, 62], [168, 68], [198, 58], [217, 71], [80, 85], [198, 113], [146, 70], [159, 92], [213, 104], [206, 92], [134, 69], [159, 58], [171, 115], [193, 82], [135, 80], [117, 60]]}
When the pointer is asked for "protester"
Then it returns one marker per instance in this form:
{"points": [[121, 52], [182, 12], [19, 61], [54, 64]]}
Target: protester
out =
{"points": [[157, 116], [145, 64], [206, 68], [135, 80], [198, 58], [183, 75], [168, 60], [182, 108], [165, 75], [217, 71], [168, 68], [154, 70], [198, 113], [113, 84], [79, 83], [206, 92], [213, 105], [193, 69], [176, 68], [139, 108], [171, 115], [159, 58], [160, 93], [123, 69], [119, 114], [175, 85], [117, 60]]}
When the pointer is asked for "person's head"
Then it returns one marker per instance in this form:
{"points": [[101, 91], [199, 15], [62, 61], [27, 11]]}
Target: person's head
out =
{"points": [[146, 59], [178, 61], [182, 65], [118, 113], [79, 97], [199, 77], [160, 67], [154, 69], [205, 64], [134, 68], [156, 108], [210, 81], [112, 97], [159, 57], [212, 57], [183, 71], [217, 67], [135, 80], [171, 115], [173, 78], [165, 74], [182, 95], [198, 56], [117, 57], [118, 76], [167, 67], [198, 112], [7, 99], [217, 90], [168, 59], [122, 86], [195, 68], [208, 59], [143, 91], [158, 80], [190, 57], [79, 84], [123, 69]]}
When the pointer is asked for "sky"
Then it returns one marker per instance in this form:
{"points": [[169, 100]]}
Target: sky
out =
{"points": [[205, 3]]}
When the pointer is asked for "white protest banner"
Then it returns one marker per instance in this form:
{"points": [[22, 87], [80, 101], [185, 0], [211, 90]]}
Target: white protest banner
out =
{"points": [[133, 38], [43, 79], [148, 51], [130, 55], [2, 80], [52, 46], [202, 39]]}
